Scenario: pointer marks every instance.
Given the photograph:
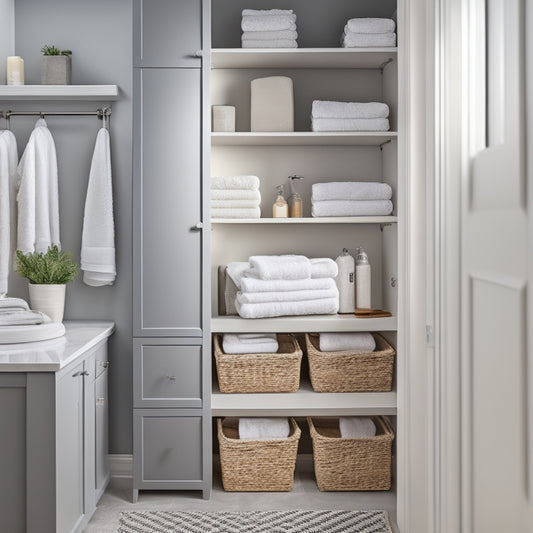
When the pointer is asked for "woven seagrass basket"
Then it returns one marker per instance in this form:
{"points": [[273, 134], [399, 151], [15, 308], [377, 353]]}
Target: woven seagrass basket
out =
{"points": [[351, 464], [256, 465], [347, 371], [259, 372]]}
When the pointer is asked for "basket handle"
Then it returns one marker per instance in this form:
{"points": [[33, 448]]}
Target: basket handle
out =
{"points": [[387, 424]]}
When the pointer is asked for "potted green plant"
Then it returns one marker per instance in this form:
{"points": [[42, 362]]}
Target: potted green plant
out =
{"points": [[56, 66], [48, 274]]}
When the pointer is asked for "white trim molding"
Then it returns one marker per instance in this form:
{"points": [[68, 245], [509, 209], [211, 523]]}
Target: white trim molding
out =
{"points": [[120, 466]]}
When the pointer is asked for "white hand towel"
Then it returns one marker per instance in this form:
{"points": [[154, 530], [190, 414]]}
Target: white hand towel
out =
{"points": [[8, 168], [263, 428], [268, 22], [277, 43], [329, 109], [351, 208], [98, 238], [255, 338], [266, 12], [338, 342], [235, 182], [22, 318], [236, 270], [232, 344], [269, 267], [283, 285], [235, 194], [326, 306], [323, 267], [226, 204], [37, 197], [356, 427], [368, 40], [351, 190], [350, 124], [371, 25], [236, 212], [269, 35], [291, 296], [13, 304]]}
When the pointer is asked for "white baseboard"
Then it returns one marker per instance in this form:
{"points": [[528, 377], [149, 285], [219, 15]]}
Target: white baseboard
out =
{"points": [[121, 466]]}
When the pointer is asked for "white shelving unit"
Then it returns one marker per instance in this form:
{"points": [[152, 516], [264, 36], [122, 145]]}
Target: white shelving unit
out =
{"points": [[308, 220], [59, 92]]}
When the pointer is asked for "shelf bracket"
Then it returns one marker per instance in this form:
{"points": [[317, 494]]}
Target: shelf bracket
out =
{"points": [[384, 64], [383, 224], [384, 143]]}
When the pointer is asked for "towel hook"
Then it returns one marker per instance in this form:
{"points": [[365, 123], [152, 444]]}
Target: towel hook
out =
{"points": [[41, 114], [5, 116]]}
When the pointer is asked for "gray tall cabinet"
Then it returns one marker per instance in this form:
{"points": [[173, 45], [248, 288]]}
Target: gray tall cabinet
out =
{"points": [[172, 417]]}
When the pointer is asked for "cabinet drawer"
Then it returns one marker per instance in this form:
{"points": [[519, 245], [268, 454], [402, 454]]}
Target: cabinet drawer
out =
{"points": [[167, 375]]}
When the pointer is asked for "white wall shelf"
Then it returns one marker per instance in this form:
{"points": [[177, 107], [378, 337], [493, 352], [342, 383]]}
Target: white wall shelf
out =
{"points": [[305, 402], [368, 58], [302, 324], [58, 92], [308, 220], [303, 138]]}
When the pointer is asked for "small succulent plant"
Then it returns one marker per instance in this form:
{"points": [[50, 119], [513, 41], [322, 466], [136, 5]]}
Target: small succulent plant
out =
{"points": [[50, 50]]}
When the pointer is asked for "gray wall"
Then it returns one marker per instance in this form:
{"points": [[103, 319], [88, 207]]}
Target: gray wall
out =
{"points": [[99, 33]]}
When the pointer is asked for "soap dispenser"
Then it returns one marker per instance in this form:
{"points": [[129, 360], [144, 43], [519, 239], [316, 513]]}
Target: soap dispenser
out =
{"points": [[345, 282], [362, 280], [280, 209], [295, 200]]}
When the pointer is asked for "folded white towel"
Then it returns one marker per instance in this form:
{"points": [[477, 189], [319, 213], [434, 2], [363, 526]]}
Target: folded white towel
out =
{"points": [[264, 428], [256, 338], [283, 285], [368, 40], [8, 169], [266, 12], [98, 237], [356, 427], [22, 318], [268, 22], [323, 267], [269, 267], [236, 212], [269, 35], [329, 109], [235, 194], [235, 182], [236, 271], [234, 203], [285, 296], [351, 190], [276, 43], [350, 124], [326, 306], [351, 208], [37, 197], [371, 25], [356, 342], [235, 344], [13, 304]]}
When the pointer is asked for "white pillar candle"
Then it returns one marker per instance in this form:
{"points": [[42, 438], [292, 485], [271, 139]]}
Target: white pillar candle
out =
{"points": [[15, 70], [223, 118]]}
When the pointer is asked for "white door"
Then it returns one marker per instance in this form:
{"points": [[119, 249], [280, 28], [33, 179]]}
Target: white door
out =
{"points": [[494, 316]]}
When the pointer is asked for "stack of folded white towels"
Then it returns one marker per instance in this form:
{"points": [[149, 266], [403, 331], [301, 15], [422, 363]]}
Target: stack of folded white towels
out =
{"points": [[271, 28], [264, 428], [356, 427], [349, 116], [235, 197], [239, 343], [16, 312], [368, 33], [351, 199], [284, 285], [339, 342]]}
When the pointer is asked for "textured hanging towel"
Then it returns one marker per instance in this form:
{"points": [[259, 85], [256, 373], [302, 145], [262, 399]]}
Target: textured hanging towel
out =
{"points": [[356, 427], [98, 238], [8, 169], [370, 25], [329, 109], [338, 342], [37, 197], [351, 190], [263, 428]]}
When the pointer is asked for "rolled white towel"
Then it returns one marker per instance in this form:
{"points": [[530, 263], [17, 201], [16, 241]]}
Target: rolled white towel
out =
{"points": [[22, 318], [235, 194], [268, 22], [269, 35], [282, 285], [368, 40], [234, 344], [236, 212], [234, 203], [275, 43], [325, 306], [351, 190], [338, 342], [323, 267], [350, 124], [268, 267], [264, 428], [284, 296], [329, 109], [371, 25], [13, 304], [351, 208], [356, 427], [266, 12], [235, 182]]}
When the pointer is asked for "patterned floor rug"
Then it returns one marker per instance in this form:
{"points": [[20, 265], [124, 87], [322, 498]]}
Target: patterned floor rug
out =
{"points": [[294, 521]]}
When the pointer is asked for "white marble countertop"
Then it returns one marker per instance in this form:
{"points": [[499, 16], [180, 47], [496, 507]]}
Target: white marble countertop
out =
{"points": [[55, 354]]}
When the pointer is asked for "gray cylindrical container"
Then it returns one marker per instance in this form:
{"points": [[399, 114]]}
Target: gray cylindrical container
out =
{"points": [[346, 282], [363, 280]]}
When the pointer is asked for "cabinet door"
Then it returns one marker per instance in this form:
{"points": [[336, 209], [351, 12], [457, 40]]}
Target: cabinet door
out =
{"points": [[167, 202], [167, 33], [101, 435]]}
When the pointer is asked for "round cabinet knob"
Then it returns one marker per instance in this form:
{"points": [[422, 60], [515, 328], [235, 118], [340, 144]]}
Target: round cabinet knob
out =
{"points": [[105, 364]]}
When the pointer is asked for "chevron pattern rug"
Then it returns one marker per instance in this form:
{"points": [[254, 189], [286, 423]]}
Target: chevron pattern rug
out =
{"points": [[294, 521]]}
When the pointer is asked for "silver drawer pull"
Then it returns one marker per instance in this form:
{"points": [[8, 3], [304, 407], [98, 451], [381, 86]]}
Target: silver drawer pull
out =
{"points": [[197, 227], [199, 53], [100, 401], [172, 378]]}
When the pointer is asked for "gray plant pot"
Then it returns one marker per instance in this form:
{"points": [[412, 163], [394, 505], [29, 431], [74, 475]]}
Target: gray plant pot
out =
{"points": [[55, 70]]}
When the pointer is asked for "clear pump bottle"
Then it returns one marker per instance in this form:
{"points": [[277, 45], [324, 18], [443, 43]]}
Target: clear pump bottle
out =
{"points": [[280, 209], [295, 200]]}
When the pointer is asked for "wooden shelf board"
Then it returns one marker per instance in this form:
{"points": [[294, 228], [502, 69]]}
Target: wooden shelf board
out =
{"points": [[58, 92], [308, 220]]}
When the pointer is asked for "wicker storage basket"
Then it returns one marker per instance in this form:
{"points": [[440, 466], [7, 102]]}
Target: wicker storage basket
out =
{"points": [[350, 372], [351, 464], [260, 372], [256, 465]]}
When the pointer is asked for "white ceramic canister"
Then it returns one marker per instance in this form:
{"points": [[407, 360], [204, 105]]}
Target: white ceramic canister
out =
{"points": [[346, 282], [49, 299], [15, 70], [223, 118]]}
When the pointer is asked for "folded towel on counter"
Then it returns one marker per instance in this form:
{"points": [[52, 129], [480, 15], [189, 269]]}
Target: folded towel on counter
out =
{"points": [[250, 285], [235, 194], [351, 208], [368, 40], [356, 427], [236, 212], [326, 306], [329, 109], [263, 428], [233, 203], [269, 35], [235, 182], [268, 22], [350, 124], [266, 12], [13, 304], [275, 43], [242, 343], [269, 267], [323, 267], [285, 296], [351, 190], [22, 318], [370, 25], [338, 342]]}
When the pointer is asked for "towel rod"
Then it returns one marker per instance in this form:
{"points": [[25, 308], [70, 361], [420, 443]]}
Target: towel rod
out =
{"points": [[100, 113]]}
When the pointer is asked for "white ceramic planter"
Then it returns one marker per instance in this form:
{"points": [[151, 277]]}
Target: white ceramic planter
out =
{"points": [[49, 299]]}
